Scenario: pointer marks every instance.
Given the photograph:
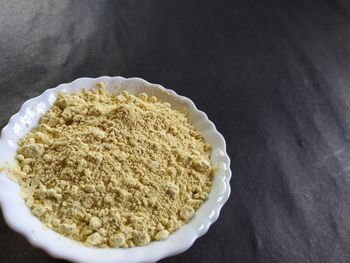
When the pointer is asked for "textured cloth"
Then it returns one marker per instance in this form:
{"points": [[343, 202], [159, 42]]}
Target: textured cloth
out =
{"points": [[272, 75]]}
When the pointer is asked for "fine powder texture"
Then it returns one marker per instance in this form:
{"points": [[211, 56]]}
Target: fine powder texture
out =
{"points": [[114, 170]]}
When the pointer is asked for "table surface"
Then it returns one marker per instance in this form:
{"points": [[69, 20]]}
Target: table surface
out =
{"points": [[272, 75]]}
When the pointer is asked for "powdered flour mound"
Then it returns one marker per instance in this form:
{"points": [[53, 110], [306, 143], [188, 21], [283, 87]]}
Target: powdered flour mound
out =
{"points": [[114, 170]]}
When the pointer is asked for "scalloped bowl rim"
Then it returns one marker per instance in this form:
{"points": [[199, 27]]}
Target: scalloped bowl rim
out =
{"points": [[18, 215]]}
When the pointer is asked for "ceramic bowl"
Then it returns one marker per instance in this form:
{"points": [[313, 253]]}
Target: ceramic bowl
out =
{"points": [[19, 217]]}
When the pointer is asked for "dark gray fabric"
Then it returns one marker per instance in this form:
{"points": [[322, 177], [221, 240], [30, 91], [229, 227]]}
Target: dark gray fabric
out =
{"points": [[272, 75]]}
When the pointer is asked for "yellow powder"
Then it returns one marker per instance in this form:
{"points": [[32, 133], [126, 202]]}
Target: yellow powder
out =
{"points": [[114, 170]]}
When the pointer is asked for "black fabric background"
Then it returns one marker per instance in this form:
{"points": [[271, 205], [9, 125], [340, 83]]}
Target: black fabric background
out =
{"points": [[272, 75]]}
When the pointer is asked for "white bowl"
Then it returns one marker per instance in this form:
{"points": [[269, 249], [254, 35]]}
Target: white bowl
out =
{"points": [[19, 217]]}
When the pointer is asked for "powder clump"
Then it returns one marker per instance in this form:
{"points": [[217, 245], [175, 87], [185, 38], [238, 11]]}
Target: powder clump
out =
{"points": [[114, 170]]}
